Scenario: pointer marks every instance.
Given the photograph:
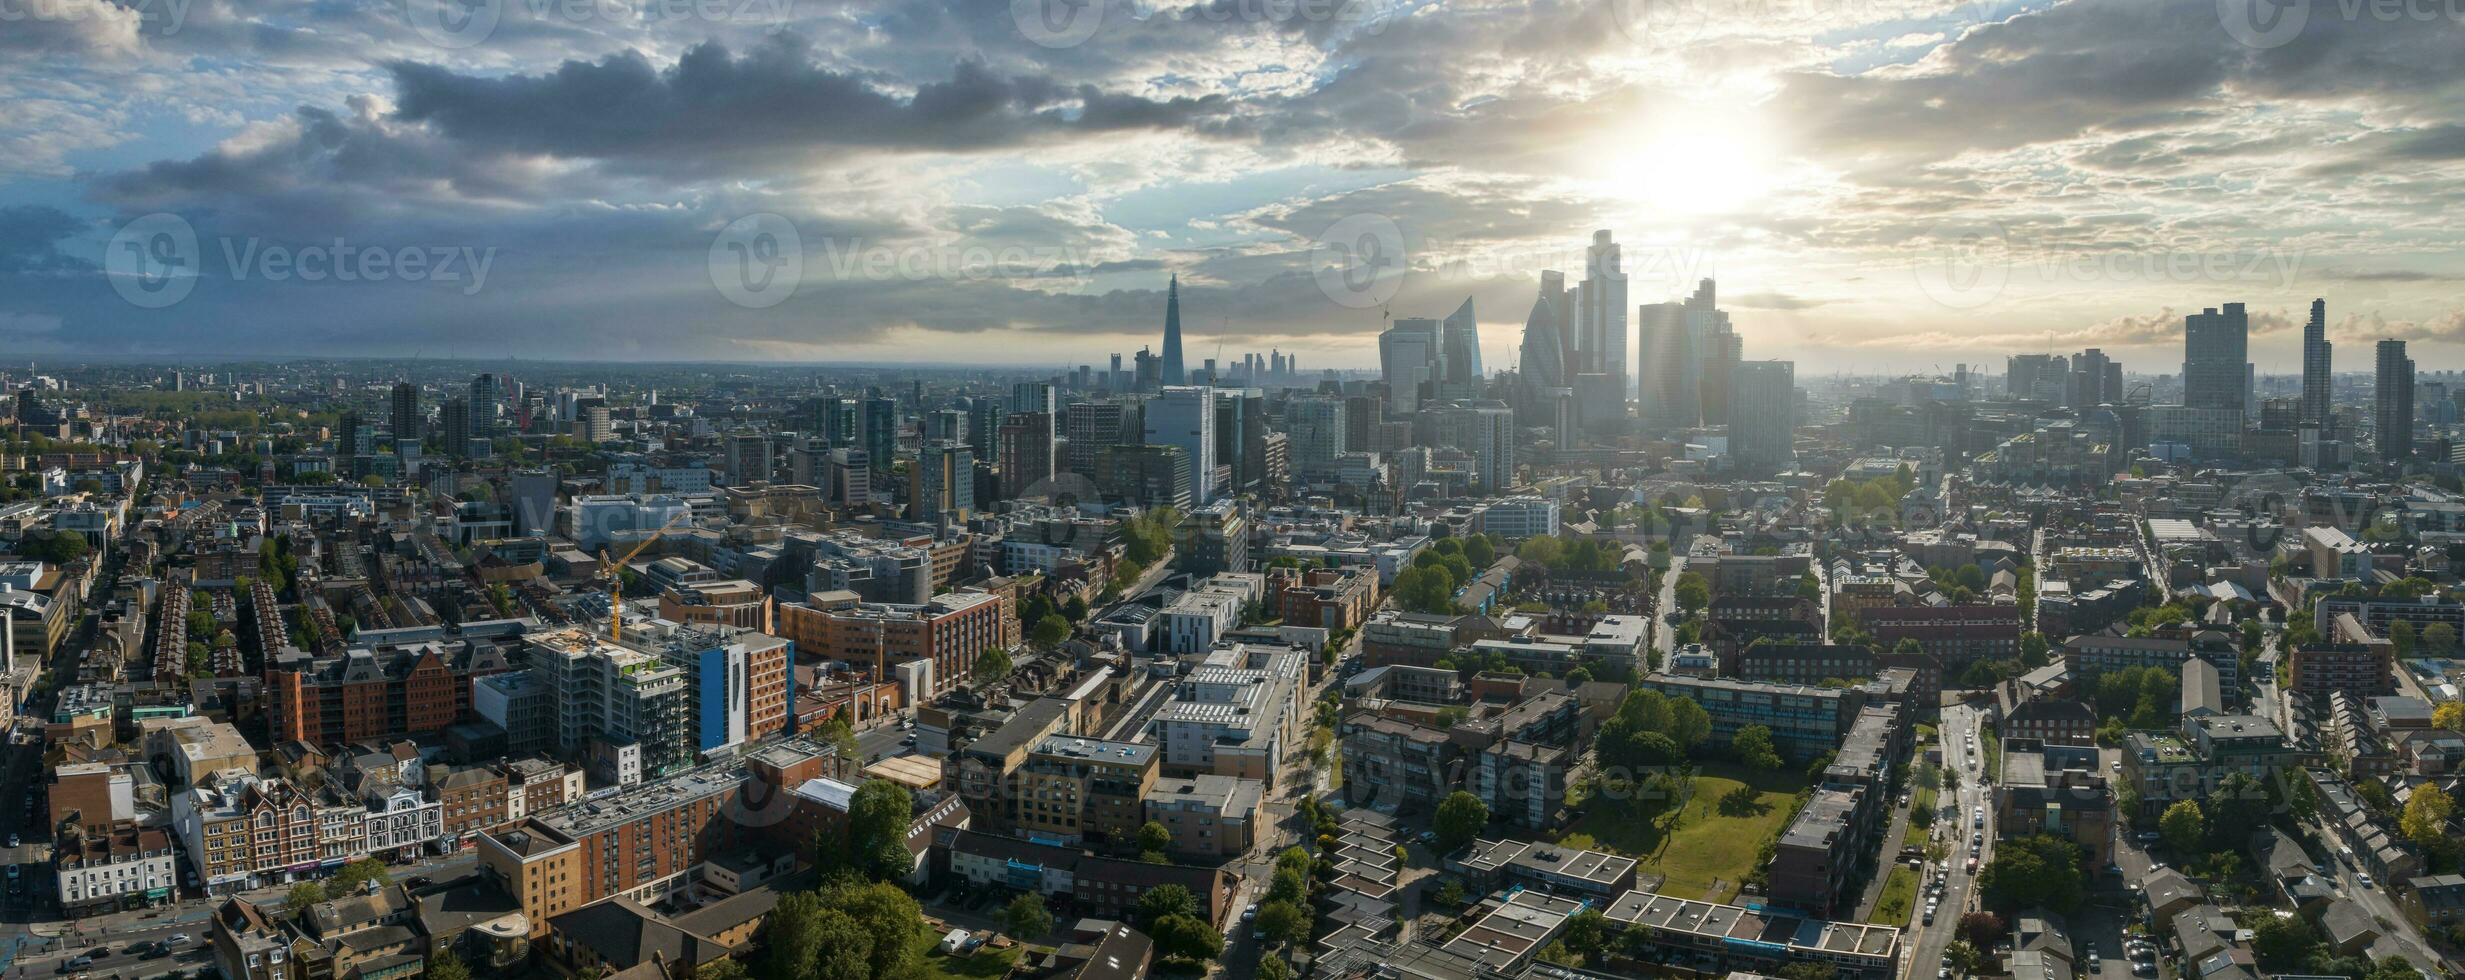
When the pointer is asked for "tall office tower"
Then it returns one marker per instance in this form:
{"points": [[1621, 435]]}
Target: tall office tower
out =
{"points": [[454, 419], [1147, 373], [1540, 367], [1720, 356], [1315, 435], [879, 437], [2393, 419], [2316, 358], [1115, 380], [1762, 414], [1170, 371], [1677, 341], [1033, 396], [1184, 416], [1485, 429], [1410, 359], [840, 421], [534, 501], [944, 425], [1562, 317], [1026, 453], [406, 411], [2094, 380], [2216, 359], [1601, 323], [347, 434], [485, 397], [2036, 377], [748, 458], [1363, 414], [1459, 344], [1240, 431], [851, 476], [1092, 426], [945, 482], [984, 415]]}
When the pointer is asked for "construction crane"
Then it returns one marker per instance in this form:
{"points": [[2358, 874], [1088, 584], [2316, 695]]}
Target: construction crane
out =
{"points": [[608, 571]]}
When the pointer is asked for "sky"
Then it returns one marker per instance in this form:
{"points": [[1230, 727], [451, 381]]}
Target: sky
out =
{"points": [[1876, 184]]}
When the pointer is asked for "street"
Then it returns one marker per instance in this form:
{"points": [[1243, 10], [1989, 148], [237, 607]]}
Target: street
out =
{"points": [[1954, 826]]}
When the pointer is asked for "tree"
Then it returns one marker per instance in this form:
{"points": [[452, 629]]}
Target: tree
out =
{"points": [[1424, 589], [446, 966], [303, 895], [2401, 636], [2425, 821], [1806, 970], [1479, 552], [2034, 652], [1050, 632], [2449, 715], [1689, 724], [2037, 870], [1026, 918], [1692, 593], [1283, 922], [725, 968], [1154, 838], [350, 876], [877, 823], [1184, 937], [1274, 968], [1165, 900], [2282, 942], [1461, 817], [2183, 826], [1753, 745], [2439, 639], [993, 665], [1292, 884], [1981, 929]]}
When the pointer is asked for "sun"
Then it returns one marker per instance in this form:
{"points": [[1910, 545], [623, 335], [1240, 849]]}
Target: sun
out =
{"points": [[1692, 159]]}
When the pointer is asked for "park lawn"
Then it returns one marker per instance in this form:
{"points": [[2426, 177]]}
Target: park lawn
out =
{"points": [[1899, 897], [1709, 852], [983, 964], [1923, 799], [1993, 748]]}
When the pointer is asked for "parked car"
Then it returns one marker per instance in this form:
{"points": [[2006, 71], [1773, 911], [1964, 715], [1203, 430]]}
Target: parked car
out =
{"points": [[74, 964], [178, 939], [2364, 877]]}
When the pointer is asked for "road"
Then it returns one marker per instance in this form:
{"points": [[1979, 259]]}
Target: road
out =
{"points": [[1954, 827]]}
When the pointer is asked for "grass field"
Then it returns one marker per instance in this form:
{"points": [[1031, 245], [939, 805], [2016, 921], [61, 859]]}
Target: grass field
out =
{"points": [[1706, 850], [1899, 897], [980, 965]]}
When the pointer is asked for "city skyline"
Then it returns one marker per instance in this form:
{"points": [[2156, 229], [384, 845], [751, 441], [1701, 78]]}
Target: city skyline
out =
{"points": [[1873, 181]]}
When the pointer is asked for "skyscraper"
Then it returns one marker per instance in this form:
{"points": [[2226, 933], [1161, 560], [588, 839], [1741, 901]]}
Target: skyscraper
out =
{"points": [[1316, 434], [1184, 416], [1169, 372], [455, 421], [1602, 319], [2393, 421], [2036, 377], [945, 482], [2316, 358], [406, 411], [1459, 340], [879, 435], [1562, 317], [1486, 430], [485, 396], [1540, 365], [1676, 342], [2216, 359], [1762, 414], [2095, 379], [1411, 357], [1026, 444]]}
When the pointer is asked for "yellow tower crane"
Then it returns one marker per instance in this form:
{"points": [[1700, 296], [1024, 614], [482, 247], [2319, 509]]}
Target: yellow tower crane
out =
{"points": [[608, 570]]}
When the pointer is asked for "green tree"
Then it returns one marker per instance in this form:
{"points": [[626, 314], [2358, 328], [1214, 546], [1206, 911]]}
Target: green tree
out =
{"points": [[303, 895], [1479, 552], [2439, 640], [1274, 968], [2034, 652], [1689, 724], [349, 877], [1050, 632], [445, 966], [724, 968], [1291, 885], [1283, 922], [1165, 900], [1461, 817], [1184, 937], [1693, 593], [1753, 746], [2038, 870], [1154, 838], [1026, 918], [2401, 635], [2183, 826], [877, 822], [993, 665], [2425, 821]]}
